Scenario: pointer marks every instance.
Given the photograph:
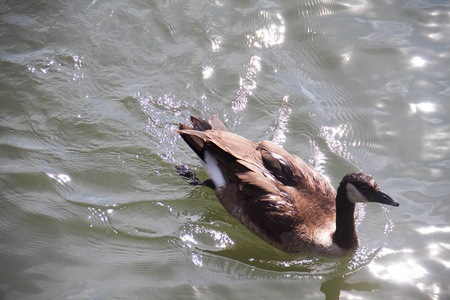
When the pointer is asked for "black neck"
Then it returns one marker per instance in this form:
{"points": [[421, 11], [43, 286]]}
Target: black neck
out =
{"points": [[345, 234]]}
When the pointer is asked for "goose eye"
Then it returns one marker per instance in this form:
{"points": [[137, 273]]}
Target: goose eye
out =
{"points": [[365, 188]]}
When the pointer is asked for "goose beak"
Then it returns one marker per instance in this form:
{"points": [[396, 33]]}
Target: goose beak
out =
{"points": [[385, 199]]}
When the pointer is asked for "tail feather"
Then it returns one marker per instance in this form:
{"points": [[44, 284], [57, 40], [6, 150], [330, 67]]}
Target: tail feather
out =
{"points": [[200, 124], [184, 126], [216, 123], [196, 139], [196, 143]]}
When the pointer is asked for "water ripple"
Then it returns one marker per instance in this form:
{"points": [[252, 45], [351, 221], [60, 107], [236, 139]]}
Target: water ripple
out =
{"points": [[389, 32], [247, 84], [280, 129], [65, 66], [159, 121], [270, 35], [206, 238]]}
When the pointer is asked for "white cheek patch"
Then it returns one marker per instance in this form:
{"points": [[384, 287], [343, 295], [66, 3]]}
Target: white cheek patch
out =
{"points": [[354, 195]]}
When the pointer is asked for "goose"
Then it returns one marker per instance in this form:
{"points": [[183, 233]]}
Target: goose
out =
{"points": [[276, 195]]}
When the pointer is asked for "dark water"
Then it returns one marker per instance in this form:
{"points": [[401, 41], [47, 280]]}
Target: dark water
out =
{"points": [[92, 91]]}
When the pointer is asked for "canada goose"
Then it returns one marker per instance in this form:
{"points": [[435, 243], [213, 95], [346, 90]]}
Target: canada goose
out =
{"points": [[276, 195]]}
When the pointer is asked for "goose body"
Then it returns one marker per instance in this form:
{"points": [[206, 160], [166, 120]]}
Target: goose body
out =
{"points": [[276, 195]]}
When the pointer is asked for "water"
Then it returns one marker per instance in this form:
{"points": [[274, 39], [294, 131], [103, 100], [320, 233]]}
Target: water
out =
{"points": [[92, 91]]}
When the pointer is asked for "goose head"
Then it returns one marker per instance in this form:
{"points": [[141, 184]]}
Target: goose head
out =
{"points": [[354, 187], [360, 187]]}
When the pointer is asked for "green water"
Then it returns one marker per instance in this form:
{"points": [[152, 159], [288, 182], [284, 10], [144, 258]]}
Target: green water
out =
{"points": [[92, 91]]}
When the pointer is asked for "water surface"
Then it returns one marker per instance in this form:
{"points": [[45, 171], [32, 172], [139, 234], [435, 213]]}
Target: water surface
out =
{"points": [[92, 92]]}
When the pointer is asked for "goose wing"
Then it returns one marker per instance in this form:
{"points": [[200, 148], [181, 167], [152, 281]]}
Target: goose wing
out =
{"points": [[294, 172]]}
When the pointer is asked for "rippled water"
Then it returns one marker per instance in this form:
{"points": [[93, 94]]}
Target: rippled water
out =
{"points": [[92, 91]]}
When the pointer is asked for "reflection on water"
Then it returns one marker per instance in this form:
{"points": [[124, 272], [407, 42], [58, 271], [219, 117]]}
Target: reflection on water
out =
{"points": [[333, 287]]}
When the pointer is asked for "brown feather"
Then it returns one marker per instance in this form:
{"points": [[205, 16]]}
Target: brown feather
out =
{"points": [[216, 123], [200, 124]]}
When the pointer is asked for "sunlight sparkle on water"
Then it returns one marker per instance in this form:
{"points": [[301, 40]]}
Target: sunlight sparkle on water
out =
{"points": [[270, 35], [406, 271], [207, 72], [215, 43], [280, 128], [334, 137], [418, 62], [206, 237], [425, 107], [197, 259], [60, 178], [433, 229], [247, 84]]}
